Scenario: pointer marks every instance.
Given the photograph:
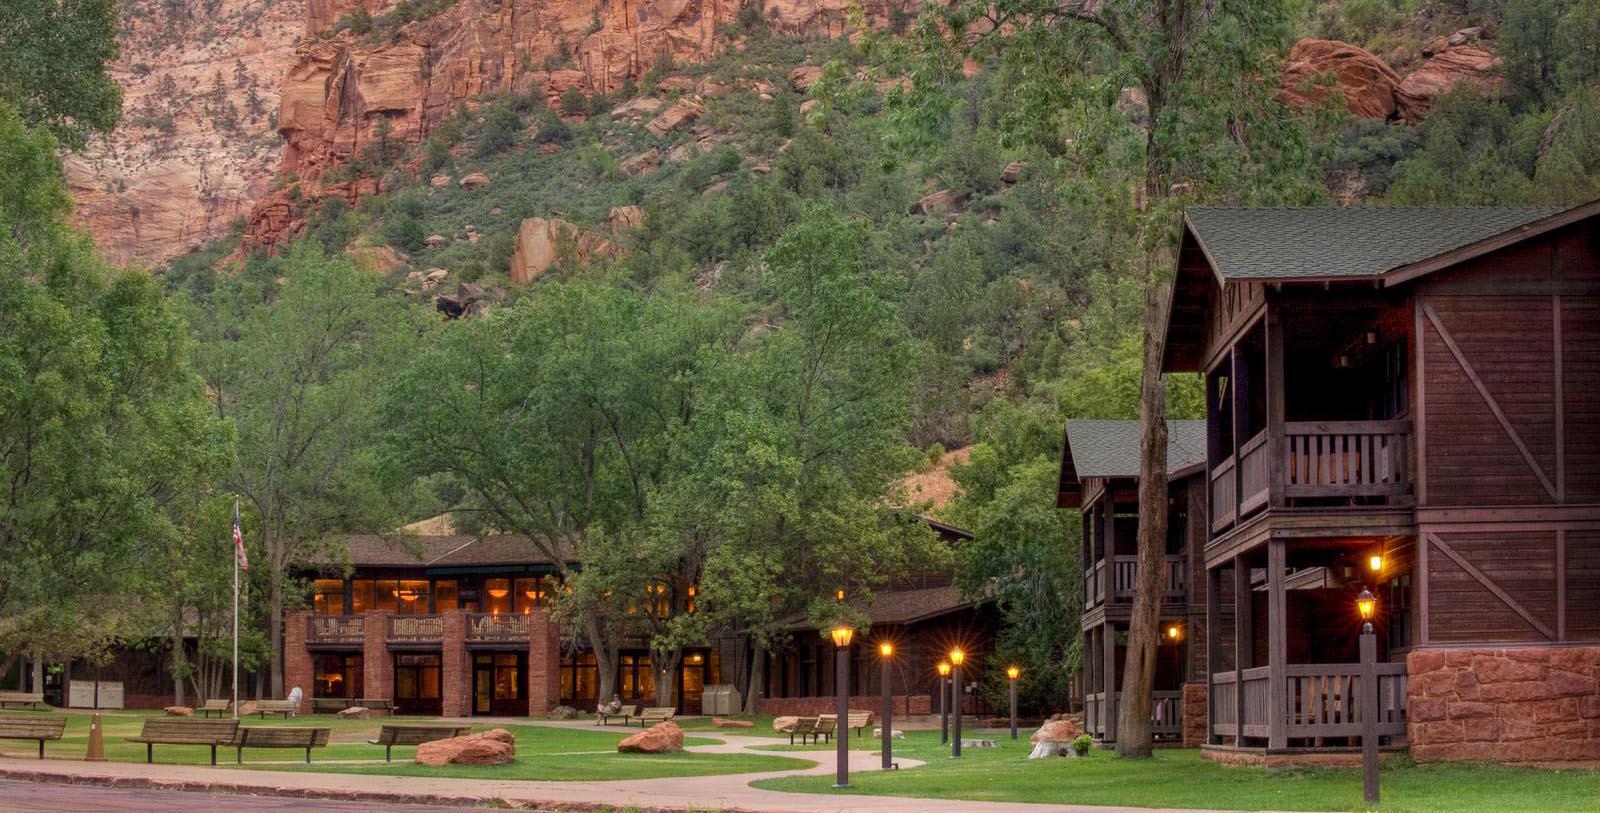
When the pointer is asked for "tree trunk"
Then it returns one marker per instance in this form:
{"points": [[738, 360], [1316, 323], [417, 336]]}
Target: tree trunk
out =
{"points": [[179, 656], [10, 661], [605, 661], [758, 676], [666, 663], [275, 634]]}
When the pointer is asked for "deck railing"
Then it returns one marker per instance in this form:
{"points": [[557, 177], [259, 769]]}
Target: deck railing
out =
{"points": [[416, 629], [336, 629], [1324, 460], [1123, 580], [1322, 700], [1166, 714], [491, 627], [1094, 584]]}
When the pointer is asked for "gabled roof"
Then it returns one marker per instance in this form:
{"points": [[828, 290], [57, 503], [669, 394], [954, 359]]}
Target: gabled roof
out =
{"points": [[1101, 448], [441, 550], [1352, 242]]}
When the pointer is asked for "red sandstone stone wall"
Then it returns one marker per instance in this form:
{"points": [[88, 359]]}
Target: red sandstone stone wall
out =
{"points": [[544, 664], [376, 662], [1195, 713], [297, 667], [812, 706], [1531, 704]]}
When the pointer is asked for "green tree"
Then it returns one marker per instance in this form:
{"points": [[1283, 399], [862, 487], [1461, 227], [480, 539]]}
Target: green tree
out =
{"points": [[53, 55]]}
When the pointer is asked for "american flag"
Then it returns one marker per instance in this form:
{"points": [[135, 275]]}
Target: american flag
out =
{"points": [[238, 541]]}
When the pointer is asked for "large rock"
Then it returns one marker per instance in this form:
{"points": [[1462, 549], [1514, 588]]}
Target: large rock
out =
{"points": [[803, 77], [474, 180], [784, 725], [1456, 64], [642, 163], [624, 218], [356, 713], [179, 711], [1064, 729], [541, 242], [723, 722], [936, 203], [682, 112], [660, 738], [494, 747], [565, 713], [1366, 83]]}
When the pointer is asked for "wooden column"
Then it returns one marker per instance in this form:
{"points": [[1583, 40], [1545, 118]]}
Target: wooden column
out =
{"points": [[1108, 636], [1241, 640], [1275, 385], [1241, 405], [1277, 648], [1213, 645]]}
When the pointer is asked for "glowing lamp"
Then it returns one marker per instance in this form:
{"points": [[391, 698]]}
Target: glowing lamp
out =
{"points": [[1174, 632], [838, 595], [1375, 562], [1366, 604], [842, 635], [1013, 672], [498, 592], [886, 649], [944, 669], [957, 656]]}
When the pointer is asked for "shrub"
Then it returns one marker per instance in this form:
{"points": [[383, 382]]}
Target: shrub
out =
{"points": [[1081, 744]]}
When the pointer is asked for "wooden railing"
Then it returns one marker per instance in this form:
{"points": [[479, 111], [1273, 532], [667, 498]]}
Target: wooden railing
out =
{"points": [[489, 627], [1094, 584], [336, 629], [1166, 714], [1255, 473], [1347, 459], [1123, 580], [1322, 700], [416, 629], [1224, 495]]}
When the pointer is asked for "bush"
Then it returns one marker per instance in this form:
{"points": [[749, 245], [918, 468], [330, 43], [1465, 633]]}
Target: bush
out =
{"points": [[1081, 744], [501, 125]]}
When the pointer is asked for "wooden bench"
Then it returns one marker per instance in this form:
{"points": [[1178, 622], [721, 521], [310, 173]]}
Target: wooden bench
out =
{"points": [[625, 714], [382, 704], [30, 727], [280, 737], [656, 714], [166, 731], [220, 707], [391, 735], [856, 721], [30, 699], [330, 705], [288, 708], [812, 729]]}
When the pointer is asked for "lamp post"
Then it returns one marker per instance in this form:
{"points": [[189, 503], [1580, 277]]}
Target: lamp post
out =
{"points": [[842, 635], [1367, 606], [1012, 673], [886, 650], [956, 657], [944, 706]]}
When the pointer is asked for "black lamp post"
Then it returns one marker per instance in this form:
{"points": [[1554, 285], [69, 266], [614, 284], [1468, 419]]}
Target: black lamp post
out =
{"points": [[1367, 606], [956, 657], [886, 650], [1012, 673], [842, 636], [944, 705]]}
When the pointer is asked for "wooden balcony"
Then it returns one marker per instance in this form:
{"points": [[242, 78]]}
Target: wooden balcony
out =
{"points": [[1118, 587], [336, 629], [1354, 463], [1166, 715], [487, 628], [1320, 700], [416, 629]]}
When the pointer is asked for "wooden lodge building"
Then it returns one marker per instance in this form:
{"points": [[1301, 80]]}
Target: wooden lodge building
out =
{"points": [[1402, 399]]}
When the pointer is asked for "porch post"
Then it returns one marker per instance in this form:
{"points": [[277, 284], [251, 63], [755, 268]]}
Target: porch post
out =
{"points": [[1108, 573], [1241, 405], [1213, 645], [1277, 648], [1241, 644], [1275, 408], [1108, 636]]}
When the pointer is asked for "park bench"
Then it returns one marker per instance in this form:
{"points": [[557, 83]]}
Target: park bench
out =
{"points": [[857, 721], [284, 737], [288, 708], [219, 707], [29, 727], [382, 704], [656, 714], [330, 705], [391, 735], [29, 699], [168, 731], [625, 714], [812, 729]]}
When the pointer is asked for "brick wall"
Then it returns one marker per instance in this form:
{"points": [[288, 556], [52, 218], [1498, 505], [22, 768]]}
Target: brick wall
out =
{"points": [[812, 706], [376, 664], [455, 672], [297, 666], [1530, 704], [544, 664], [1195, 711]]}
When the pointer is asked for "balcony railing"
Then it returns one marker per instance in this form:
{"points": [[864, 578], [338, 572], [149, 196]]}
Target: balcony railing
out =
{"points": [[416, 629], [490, 628], [1166, 714], [1321, 700], [1325, 460], [336, 629], [1124, 580]]}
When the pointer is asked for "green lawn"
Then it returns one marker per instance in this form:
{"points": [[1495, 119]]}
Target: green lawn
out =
{"points": [[542, 752], [1179, 778]]}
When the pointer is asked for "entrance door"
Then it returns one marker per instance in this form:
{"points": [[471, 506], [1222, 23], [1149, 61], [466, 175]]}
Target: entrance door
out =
{"points": [[482, 684], [498, 684], [416, 683]]}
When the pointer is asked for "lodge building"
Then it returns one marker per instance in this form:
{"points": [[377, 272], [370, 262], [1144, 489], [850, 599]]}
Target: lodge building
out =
{"points": [[1401, 399]]}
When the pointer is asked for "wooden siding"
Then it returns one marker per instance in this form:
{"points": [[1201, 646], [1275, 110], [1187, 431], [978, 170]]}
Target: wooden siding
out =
{"points": [[1582, 565], [1492, 586]]}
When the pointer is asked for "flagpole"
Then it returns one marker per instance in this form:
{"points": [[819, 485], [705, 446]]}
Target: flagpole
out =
{"points": [[236, 617]]}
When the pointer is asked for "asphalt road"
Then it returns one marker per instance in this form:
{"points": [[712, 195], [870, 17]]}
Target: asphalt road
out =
{"points": [[43, 797]]}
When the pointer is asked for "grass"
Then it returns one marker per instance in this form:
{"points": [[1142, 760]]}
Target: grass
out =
{"points": [[1180, 778], [542, 752]]}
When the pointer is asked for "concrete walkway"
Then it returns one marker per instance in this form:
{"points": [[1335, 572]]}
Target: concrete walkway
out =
{"points": [[728, 792]]}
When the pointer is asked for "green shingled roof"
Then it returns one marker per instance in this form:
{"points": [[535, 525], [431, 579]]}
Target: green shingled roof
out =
{"points": [[1111, 448], [1354, 241]]}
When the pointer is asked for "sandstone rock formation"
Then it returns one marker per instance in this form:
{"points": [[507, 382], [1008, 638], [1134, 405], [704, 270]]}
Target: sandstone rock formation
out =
{"points": [[681, 113], [356, 713], [1064, 729], [722, 722], [1458, 63], [784, 725], [474, 180], [803, 77], [541, 242], [1366, 83], [494, 747], [179, 711], [624, 218], [660, 738]]}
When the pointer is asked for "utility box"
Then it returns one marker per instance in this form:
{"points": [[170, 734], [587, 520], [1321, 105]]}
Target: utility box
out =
{"points": [[720, 698]]}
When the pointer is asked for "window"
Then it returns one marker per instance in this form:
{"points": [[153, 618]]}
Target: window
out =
{"points": [[578, 679], [507, 676], [361, 600], [411, 596], [444, 595], [529, 593], [327, 597], [336, 675], [497, 595]]}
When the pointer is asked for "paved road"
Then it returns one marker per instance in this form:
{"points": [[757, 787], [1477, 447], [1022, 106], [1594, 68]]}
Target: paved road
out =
{"points": [[44, 797]]}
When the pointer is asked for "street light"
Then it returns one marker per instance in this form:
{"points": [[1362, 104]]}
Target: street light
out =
{"points": [[886, 650], [1012, 673], [956, 658], [842, 636], [944, 707], [1367, 606]]}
